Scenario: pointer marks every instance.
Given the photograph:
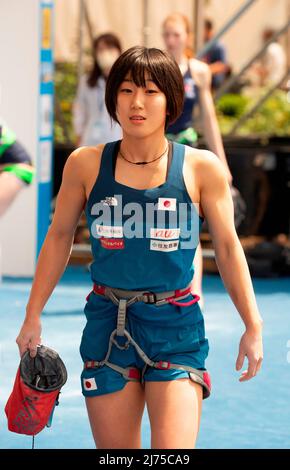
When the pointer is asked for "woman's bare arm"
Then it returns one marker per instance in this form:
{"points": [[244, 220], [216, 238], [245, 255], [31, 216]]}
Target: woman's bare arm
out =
{"points": [[56, 248], [55, 251], [217, 206]]}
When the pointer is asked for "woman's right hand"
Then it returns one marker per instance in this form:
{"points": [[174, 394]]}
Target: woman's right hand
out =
{"points": [[29, 336]]}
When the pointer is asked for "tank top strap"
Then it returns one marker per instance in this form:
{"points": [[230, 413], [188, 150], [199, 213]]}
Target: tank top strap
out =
{"points": [[106, 167], [176, 172]]}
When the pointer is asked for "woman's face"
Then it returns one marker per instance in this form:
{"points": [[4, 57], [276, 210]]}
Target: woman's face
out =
{"points": [[175, 37], [106, 56], [140, 111]]}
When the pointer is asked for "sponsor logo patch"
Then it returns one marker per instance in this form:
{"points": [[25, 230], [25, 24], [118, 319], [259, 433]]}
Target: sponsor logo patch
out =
{"points": [[164, 245], [109, 231], [110, 201], [166, 204], [112, 243], [165, 233]]}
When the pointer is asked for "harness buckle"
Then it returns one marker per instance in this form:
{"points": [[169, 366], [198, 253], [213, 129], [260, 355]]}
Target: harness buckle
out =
{"points": [[149, 298], [119, 346], [162, 365]]}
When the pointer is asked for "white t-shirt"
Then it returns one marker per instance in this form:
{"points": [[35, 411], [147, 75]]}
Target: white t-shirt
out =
{"points": [[275, 62], [90, 116]]}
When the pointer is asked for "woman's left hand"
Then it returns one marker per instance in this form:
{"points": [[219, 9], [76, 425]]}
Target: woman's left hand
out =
{"points": [[251, 346]]}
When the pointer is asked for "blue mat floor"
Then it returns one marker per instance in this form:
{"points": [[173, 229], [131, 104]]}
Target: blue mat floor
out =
{"points": [[255, 414]]}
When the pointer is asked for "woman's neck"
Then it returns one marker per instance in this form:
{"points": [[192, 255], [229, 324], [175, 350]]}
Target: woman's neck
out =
{"points": [[143, 148]]}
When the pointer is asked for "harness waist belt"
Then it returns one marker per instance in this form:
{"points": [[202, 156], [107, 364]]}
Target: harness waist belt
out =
{"points": [[157, 298]]}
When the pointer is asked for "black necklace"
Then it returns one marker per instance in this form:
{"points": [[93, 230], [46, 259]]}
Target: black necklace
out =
{"points": [[144, 163]]}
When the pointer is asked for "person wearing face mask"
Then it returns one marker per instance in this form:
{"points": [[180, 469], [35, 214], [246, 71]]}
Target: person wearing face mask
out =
{"points": [[91, 121]]}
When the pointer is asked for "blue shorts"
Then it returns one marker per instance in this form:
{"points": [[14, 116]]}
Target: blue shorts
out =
{"points": [[165, 333]]}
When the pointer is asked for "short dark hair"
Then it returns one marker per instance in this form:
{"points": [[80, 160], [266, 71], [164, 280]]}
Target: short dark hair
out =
{"points": [[163, 70]]}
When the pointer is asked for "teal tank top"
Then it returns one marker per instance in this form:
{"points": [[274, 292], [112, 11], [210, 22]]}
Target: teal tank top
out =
{"points": [[142, 239]]}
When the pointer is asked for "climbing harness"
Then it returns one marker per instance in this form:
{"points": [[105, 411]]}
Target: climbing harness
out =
{"points": [[123, 299]]}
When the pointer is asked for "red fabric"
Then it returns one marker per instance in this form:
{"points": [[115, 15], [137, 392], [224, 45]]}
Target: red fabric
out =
{"points": [[162, 365], [99, 289], [28, 410], [134, 374], [184, 304], [206, 378], [112, 243], [180, 292]]}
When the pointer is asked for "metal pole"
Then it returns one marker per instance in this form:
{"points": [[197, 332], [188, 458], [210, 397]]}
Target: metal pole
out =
{"points": [[198, 24], [81, 37], [288, 35], [88, 23], [146, 27], [228, 25]]}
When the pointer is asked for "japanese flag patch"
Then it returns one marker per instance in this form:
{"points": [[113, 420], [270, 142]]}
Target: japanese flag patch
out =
{"points": [[89, 384], [166, 204]]}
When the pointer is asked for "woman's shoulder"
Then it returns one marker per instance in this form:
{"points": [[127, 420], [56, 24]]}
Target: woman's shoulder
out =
{"points": [[204, 162], [198, 65], [84, 158], [202, 171], [83, 164], [200, 72], [87, 153], [199, 155]]}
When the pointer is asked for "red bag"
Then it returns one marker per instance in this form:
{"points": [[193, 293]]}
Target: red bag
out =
{"points": [[27, 410], [35, 392]]}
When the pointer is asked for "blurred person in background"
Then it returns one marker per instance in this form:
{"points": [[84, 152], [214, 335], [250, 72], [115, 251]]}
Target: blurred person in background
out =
{"points": [[16, 169], [92, 124], [197, 86], [197, 83], [273, 65], [215, 57]]}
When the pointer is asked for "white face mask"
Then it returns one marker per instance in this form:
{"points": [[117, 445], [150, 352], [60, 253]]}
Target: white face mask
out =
{"points": [[107, 58]]}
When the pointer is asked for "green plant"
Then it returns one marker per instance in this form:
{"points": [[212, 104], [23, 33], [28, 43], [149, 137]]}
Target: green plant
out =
{"points": [[232, 105], [65, 80], [271, 119]]}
